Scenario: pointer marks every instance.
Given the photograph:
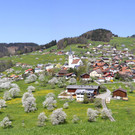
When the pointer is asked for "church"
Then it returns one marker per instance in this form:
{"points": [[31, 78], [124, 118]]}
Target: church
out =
{"points": [[73, 62]]}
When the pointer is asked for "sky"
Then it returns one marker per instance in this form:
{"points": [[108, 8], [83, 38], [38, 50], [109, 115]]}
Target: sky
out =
{"points": [[41, 21]]}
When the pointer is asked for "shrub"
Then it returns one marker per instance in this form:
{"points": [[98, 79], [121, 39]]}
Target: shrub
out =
{"points": [[2, 103], [58, 116], [92, 114], [49, 103], [65, 106], [75, 119], [105, 113], [5, 123], [31, 89], [41, 119], [31, 78], [6, 95], [97, 103], [14, 92]]}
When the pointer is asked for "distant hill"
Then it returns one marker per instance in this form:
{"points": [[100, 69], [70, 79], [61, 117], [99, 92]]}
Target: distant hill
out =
{"points": [[21, 48], [133, 36], [94, 35]]}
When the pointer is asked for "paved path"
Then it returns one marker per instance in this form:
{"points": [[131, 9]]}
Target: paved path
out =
{"points": [[103, 97]]}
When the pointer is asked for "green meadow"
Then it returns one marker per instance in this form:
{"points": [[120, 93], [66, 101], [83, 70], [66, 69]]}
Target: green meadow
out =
{"points": [[123, 111]]}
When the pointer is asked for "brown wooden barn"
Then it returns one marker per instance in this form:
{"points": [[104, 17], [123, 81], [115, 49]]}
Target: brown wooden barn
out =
{"points": [[119, 92]]}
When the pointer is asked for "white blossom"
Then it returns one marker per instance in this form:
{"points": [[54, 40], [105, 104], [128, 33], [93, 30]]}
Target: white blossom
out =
{"points": [[65, 105], [58, 116], [49, 103], [2, 103], [31, 78], [105, 113], [14, 92], [25, 96], [6, 95], [5, 123], [54, 80], [72, 81], [92, 114], [31, 89], [29, 104]]}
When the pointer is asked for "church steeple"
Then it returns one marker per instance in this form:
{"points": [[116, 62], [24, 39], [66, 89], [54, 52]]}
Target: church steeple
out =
{"points": [[70, 58], [70, 52]]}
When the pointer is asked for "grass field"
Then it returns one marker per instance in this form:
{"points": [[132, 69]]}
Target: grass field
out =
{"points": [[123, 111]]}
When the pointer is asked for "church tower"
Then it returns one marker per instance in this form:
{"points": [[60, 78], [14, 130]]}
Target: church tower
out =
{"points": [[70, 58]]}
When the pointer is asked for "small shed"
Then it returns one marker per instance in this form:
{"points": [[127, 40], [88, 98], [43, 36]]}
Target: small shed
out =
{"points": [[119, 93]]}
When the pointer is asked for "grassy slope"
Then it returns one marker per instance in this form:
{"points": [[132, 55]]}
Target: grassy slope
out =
{"points": [[123, 111]]}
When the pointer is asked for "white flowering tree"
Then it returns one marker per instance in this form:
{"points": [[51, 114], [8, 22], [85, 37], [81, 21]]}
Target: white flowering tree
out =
{"points": [[54, 80], [14, 92], [5, 123], [72, 81], [31, 89], [2, 103], [41, 119], [14, 85], [50, 95], [5, 85], [29, 102], [49, 103], [58, 116], [31, 78], [92, 114], [6, 95], [65, 105], [105, 113], [75, 119]]}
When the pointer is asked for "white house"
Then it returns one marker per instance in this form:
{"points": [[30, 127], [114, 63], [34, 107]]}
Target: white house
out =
{"points": [[73, 61]]}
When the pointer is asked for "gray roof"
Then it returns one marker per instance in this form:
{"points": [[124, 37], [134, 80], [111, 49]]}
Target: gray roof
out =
{"points": [[82, 87], [84, 91]]}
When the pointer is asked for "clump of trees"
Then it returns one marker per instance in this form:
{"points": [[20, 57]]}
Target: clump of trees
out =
{"points": [[58, 116]]}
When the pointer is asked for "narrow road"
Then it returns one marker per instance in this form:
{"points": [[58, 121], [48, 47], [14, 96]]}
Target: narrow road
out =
{"points": [[103, 97]]}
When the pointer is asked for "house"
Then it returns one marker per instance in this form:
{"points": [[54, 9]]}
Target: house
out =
{"points": [[38, 70], [101, 80], [95, 74], [85, 76], [74, 62], [119, 93], [80, 90], [72, 88], [31, 71]]}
